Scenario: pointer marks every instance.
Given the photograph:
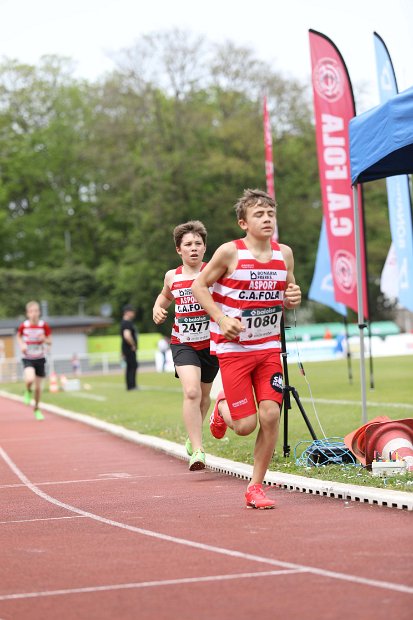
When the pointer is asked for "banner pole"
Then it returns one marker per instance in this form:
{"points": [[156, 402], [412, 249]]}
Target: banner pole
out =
{"points": [[269, 162], [361, 322], [370, 358], [367, 293], [348, 352]]}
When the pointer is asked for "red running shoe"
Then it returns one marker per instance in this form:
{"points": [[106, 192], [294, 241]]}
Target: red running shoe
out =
{"points": [[216, 423], [256, 498]]}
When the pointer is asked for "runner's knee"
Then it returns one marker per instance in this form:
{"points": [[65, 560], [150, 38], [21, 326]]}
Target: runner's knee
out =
{"points": [[269, 412], [192, 393], [245, 426], [29, 375]]}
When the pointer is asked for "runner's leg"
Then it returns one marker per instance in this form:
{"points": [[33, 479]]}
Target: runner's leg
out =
{"points": [[269, 417], [190, 377], [205, 398], [29, 377], [37, 391], [267, 380], [245, 426], [224, 411], [239, 409]]}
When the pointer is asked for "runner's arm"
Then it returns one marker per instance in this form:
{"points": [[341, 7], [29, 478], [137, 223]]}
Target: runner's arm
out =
{"points": [[48, 342], [292, 295], [47, 335], [21, 343], [164, 300], [218, 266]]}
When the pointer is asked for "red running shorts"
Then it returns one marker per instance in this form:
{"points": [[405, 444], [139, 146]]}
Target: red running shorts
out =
{"points": [[249, 378]]}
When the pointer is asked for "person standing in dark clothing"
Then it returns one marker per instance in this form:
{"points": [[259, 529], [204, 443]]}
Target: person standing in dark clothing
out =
{"points": [[129, 346]]}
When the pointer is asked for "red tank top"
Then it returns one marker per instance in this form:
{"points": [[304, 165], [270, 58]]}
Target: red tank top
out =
{"points": [[32, 335], [253, 293], [191, 325]]}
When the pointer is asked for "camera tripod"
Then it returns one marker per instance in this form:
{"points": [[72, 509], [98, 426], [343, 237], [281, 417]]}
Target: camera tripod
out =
{"points": [[287, 391]]}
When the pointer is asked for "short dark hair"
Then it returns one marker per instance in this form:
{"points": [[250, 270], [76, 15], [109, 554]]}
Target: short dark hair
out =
{"points": [[250, 198], [193, 226], [128, 308]]}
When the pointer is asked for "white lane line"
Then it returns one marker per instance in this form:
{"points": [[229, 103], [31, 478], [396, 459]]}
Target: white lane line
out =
{"points": [[143, 388], [85, 395], [157, 388], [41, 519], [387, 585], [321, 401], [104, 478], [324, 401], [328, 401], [149, 584], [50, 437]]}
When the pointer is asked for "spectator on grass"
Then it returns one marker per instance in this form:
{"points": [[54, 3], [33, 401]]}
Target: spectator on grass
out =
{"points": [[129, 346], [75, 364]]}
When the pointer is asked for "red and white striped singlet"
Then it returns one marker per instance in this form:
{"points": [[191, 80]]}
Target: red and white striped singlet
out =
{"points": [[191, 325], [32, 335], [253, 293]]}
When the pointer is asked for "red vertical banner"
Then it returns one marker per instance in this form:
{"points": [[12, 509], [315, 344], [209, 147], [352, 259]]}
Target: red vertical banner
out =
{"points": [[269, 164], [333, 109]]}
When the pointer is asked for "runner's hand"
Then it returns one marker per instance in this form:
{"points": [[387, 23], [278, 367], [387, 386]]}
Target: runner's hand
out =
{"points": [[292, 296], [231, 328], [159, 315]]}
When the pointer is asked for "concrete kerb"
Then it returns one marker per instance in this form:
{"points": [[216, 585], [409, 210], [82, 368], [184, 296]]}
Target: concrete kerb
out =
{"points": [[314, 486]]}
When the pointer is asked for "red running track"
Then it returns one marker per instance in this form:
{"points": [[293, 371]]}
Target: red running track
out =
{"points": [[95, 527]]}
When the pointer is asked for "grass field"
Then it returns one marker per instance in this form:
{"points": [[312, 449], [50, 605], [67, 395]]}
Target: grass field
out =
{"points": [[147, 346], [156, 410]]}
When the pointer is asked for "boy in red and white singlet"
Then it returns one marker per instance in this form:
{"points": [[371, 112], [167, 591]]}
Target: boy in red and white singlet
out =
{"points": [[194, 365], [34, 336], [253, 281]]}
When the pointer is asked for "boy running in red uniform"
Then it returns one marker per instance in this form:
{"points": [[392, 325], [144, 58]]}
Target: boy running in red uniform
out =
{"points": [[194, 365], [253, 280], [33, 336]]}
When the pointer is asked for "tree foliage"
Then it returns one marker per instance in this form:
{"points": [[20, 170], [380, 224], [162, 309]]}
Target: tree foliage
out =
{"points": [[94, 176]]}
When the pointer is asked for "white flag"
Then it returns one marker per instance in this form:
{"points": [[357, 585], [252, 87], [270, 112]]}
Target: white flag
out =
{"points": [[389, 281]]}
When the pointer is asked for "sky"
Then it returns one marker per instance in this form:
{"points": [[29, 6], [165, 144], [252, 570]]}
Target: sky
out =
{"points": [[91, 31]]}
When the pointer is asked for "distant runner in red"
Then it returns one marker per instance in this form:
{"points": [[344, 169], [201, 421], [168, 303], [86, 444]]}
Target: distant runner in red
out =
{"points": [[34, 336], [253, 281], [194, 365]]}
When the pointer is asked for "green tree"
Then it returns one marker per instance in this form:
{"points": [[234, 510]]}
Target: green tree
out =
{"points": [[95, 176]]}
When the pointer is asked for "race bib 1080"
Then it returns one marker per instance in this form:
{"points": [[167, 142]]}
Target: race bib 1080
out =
{"points": [[260, 323]]}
